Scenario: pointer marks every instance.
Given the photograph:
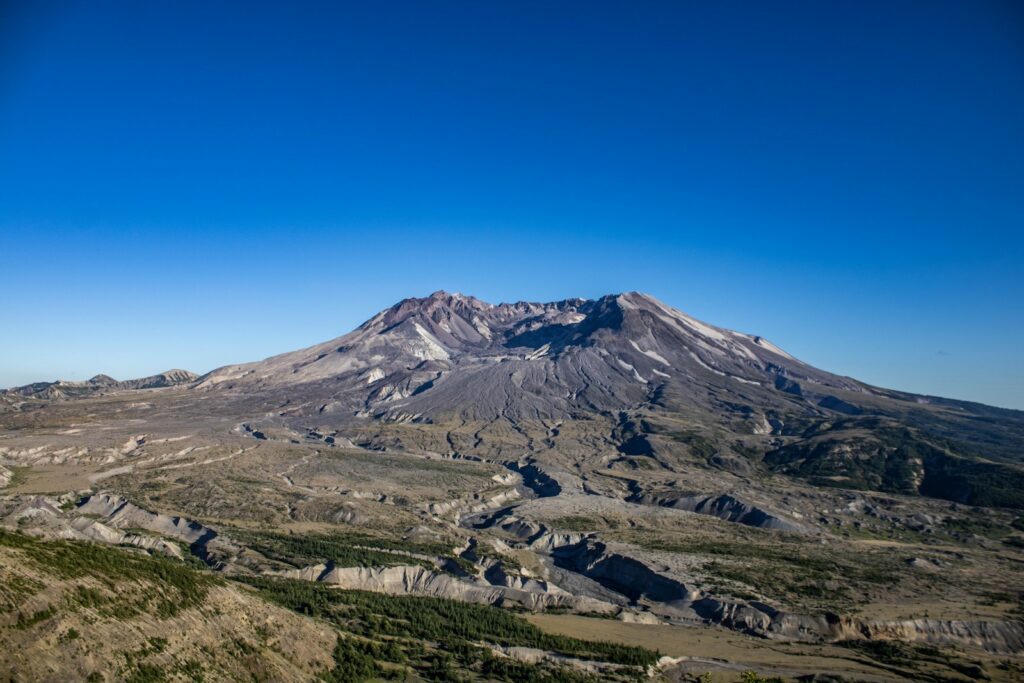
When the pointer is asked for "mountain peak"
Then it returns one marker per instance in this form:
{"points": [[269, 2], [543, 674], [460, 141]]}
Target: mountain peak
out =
{"points": [[434, 354], [442, 295]]}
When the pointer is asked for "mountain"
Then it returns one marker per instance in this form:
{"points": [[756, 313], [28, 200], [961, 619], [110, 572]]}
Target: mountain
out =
{"points": [[646, 370], [60, 390], [612, 457], [450, 353], [628, 371], [639, 339]]}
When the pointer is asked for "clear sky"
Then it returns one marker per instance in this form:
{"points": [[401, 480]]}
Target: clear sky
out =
{"points": [[193, 184]]}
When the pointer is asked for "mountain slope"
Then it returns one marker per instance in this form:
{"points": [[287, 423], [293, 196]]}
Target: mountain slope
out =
{"points": [[549, 359], [635, 368]]}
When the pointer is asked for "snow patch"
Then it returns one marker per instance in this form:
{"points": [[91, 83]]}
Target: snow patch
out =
{"points": [[705, 365], [693, 323], [650, 354], [629, 367]]}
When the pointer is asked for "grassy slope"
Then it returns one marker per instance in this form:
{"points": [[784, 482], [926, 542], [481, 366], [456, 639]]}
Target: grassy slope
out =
{"points": [[71, 610]]}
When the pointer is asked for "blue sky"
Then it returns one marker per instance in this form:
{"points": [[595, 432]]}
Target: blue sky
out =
{"points": [[192, 184]]}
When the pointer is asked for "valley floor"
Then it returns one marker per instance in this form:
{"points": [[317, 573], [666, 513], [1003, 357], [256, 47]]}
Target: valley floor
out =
{"points": [[183, 545]]}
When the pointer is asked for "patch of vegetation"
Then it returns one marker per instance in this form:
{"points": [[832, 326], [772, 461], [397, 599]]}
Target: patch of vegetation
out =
{"points": [[699, 445], [341, 549], [747, 452], [976, 483], [1011, 667], [465, 565], [24, 621], [917, 658], [436, 635], [754, 677], [167, 587], [191, 670], [146, 673], [574, 523], [870, 453], [1014, 542], [19, 475], [876, 461], [975, 526], [509, 564], [783, 569], [137, 670], [15, 589], [353, 661]]}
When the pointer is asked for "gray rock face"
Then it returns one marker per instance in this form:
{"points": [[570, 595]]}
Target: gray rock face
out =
{"points": [[725, 507], [117, 514], [993, 636], [417, 580]]}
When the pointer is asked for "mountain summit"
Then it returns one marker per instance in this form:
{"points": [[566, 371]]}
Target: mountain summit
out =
{"points": [[450, 352]]}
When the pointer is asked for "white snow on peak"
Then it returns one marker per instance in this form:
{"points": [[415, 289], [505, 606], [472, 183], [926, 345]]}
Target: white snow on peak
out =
{"points": [[659, 373]]}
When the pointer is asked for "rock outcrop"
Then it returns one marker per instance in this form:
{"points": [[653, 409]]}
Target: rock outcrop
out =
{"points": [[418, 580]]}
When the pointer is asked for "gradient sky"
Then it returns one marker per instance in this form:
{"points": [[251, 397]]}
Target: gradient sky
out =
{"points": [[192, 184]]}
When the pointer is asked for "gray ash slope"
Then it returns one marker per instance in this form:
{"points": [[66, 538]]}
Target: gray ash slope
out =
{"points": [[450, 354], [652, 381]]}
